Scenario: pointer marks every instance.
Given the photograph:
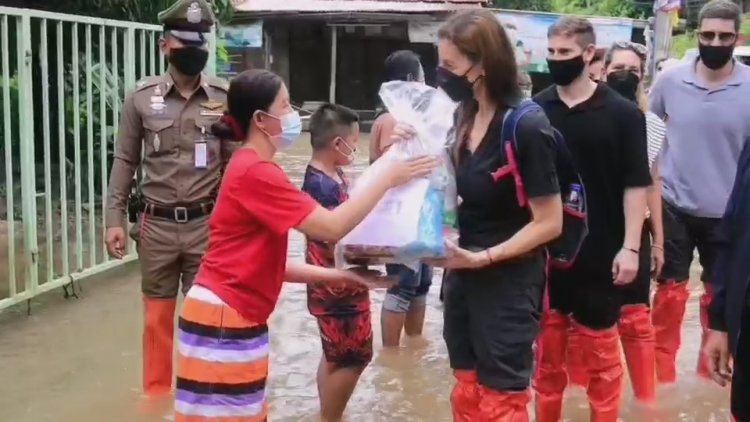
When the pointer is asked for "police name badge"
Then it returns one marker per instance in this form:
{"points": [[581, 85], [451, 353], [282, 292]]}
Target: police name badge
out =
{"points": [[157, 101], [194, 13], [201, 151]]}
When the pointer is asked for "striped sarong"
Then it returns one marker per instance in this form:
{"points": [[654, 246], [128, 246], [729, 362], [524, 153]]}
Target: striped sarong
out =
{"points": [[222, 365]]}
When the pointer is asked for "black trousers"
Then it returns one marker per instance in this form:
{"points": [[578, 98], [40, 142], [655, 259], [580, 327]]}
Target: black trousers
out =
{"points": [[683, 233], [588, 294], [491, 320]]}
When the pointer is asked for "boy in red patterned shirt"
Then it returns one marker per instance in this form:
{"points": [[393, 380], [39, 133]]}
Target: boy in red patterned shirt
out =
{"points": [[342, 311]]}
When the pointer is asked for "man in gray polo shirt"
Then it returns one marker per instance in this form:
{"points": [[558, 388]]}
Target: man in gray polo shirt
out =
{"points": [[706, 104]]}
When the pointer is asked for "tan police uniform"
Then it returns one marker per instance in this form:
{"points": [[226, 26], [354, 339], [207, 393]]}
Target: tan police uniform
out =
{"points": [[167, 134], [181, 168]]}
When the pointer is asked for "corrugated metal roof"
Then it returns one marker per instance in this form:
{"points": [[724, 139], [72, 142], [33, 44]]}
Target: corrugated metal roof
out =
{"points": [[348, 6]]}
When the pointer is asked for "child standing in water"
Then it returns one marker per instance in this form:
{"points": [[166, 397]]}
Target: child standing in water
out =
{"points": [[405, 303], [342, 309]]}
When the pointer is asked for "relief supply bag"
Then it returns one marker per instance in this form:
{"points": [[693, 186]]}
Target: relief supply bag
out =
{"points": [[407, 224]]}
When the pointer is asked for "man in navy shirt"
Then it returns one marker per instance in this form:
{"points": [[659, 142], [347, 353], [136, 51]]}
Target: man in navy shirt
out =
{"points": [[606, 135], [729, 312]]}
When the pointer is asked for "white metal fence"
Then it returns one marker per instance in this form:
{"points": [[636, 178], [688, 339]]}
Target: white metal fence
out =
{"points": [[62, 80]]}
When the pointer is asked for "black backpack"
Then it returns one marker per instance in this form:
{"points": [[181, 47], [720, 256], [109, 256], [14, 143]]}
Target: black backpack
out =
{"points": [[563, 250]]}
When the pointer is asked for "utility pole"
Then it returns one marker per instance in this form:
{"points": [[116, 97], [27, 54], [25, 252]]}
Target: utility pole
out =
{"points": [[661, 31]]}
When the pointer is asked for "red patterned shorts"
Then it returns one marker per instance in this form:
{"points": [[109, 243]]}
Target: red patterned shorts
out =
{"points": [[347, 339]]}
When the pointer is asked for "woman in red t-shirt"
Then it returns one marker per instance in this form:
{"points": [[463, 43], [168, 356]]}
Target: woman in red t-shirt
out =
{"points": [[223, 337]]}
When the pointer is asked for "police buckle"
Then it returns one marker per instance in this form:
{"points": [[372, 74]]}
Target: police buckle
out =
{"points": [[181, 215]]}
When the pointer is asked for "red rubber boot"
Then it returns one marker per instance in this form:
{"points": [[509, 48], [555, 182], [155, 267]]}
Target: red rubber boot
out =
{"points": [[465, 397], [503, 406], [666, 315], [637, 337], [604, 364], [551, 379], [574, 362], [158, 334]]}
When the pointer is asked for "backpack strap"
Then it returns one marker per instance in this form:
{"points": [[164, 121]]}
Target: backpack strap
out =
{"points": [[508, 136], [513, 117]]}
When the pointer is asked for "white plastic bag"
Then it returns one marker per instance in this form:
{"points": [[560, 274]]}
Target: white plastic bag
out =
{"points": [[407, 224]]}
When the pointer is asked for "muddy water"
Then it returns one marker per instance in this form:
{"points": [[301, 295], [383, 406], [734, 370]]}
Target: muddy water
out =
{"points": [[79, 361]]}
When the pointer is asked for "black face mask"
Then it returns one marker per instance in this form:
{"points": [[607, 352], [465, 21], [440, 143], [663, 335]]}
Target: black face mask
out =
{"points": [[715, 56], [457, 87], [564, 72], [190, 61], [625, 83]]}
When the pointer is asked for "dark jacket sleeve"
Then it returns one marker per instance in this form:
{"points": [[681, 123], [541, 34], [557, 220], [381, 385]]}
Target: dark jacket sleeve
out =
{"points": [[720, 279]]}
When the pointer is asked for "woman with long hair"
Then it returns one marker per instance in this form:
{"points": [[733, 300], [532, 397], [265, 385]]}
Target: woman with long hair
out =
{"points": [[624, 70], [223, 332], [493, 294]]}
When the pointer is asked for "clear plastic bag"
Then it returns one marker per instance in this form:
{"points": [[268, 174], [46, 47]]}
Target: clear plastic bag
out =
{"points": [[408, 224]]}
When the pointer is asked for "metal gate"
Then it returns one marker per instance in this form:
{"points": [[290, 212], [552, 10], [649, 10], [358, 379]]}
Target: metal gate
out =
{"points": [[62, 81]]}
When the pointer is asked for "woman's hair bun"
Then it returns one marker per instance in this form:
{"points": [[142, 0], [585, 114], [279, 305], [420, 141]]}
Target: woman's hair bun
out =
{"points": [[228, 128]]}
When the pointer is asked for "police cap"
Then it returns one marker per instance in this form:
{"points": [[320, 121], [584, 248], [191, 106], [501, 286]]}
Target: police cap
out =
{"points": [[188, 20]]}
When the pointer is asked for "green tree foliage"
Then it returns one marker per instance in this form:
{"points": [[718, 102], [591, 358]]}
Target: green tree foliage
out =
{"points": [[532, 5], [145, 11], [622, 8], [684, 42]]}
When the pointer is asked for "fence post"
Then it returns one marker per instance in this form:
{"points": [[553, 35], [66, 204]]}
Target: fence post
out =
{"points": [[213, 45], [129, 65], [28, 171], [129, 70]]}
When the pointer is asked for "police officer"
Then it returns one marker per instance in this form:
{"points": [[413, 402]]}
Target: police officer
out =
{"points": [[165, 131]]}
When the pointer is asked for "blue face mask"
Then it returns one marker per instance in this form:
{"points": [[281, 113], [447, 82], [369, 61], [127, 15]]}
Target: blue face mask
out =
{"points": [[291, 129]]}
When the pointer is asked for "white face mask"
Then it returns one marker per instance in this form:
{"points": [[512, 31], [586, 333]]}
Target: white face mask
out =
{"points": [[347, 151]]}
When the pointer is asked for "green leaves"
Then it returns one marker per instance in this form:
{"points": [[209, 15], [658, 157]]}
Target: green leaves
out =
{"points": [[224, 10], [532, 5], [621, 8]]}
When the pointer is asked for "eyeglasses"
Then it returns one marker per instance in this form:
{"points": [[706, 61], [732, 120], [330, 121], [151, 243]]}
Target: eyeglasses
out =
{"points": [[724, 37]]}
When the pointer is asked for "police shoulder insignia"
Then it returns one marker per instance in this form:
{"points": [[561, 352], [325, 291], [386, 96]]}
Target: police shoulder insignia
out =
{"points": [[212, 105], [146, 83], [218, 83]]}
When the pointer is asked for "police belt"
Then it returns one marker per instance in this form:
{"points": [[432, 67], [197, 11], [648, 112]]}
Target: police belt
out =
{"points": [[181, 214]]}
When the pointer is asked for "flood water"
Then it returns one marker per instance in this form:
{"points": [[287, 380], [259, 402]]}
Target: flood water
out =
{"points": [[78, 360]]}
